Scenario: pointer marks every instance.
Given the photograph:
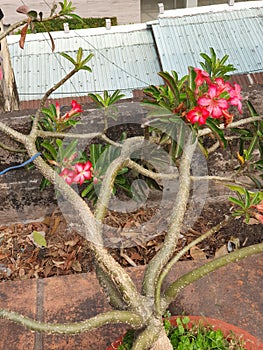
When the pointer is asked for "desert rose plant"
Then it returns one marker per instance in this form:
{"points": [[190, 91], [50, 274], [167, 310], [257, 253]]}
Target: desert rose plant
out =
{"points": [[182, 112]]}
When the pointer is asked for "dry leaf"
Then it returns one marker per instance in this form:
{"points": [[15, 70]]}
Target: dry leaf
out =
{"points": [[252, 221], [23, 35], [197, 254], [221, 251], [52, 42], [23, 9], [76, 266]]}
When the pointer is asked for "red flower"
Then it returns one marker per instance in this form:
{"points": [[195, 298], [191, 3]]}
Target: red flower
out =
{"points": [[75, 109], [201, 77], [212, 102], [198, 115], [68, 175], [84, 172]]}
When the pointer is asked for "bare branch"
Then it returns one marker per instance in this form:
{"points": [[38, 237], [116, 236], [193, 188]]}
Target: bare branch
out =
{"points": [[126, 317], [194, 275]]}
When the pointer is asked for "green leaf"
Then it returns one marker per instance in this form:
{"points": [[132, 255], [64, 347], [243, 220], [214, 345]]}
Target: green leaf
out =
{"points": [[79, 55], [171, 82], [251, 147], [192, 76], [38, 238], [237, 201], [70, 149], [73, 15], [218, 132], [44, 183], [51, 149], [87, 59], [247, 199], [65, 55], [87, 190], [255, 199], [224, 59], [251, 109], [235, 188]]}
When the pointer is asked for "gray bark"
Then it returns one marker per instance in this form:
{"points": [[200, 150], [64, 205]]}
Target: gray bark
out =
{"points": [[9, 100]]}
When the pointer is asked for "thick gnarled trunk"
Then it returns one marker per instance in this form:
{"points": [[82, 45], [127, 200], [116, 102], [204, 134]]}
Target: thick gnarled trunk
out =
{"points": [[9, 100], [162, 343]]}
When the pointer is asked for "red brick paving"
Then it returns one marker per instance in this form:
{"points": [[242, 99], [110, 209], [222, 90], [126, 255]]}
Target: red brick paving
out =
{"points": [[233, 294]]}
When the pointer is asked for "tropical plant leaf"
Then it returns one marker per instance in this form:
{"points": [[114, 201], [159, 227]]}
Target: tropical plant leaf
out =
{"points": [[218, 132], [68, 57]]}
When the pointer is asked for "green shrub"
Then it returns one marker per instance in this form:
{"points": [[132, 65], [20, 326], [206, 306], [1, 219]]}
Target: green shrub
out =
{"points": [[57, 24]]}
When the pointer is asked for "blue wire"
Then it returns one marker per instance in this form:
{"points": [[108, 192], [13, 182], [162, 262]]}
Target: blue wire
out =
{"points": [[21, 165]]}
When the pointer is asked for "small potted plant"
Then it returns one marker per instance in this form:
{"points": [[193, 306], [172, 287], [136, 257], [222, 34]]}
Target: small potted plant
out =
{"points": [[192, 332], [183, 112]]}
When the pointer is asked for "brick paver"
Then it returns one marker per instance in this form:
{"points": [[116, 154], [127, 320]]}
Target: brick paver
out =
{"points": [[233, 294]]}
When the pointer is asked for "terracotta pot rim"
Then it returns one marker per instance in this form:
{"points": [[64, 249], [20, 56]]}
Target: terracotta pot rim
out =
{"points": [[251, 342]]}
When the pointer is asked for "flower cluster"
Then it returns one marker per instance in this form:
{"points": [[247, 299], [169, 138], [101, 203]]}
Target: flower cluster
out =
{"points": [[215, 101], [75, 109], [78, 173]]}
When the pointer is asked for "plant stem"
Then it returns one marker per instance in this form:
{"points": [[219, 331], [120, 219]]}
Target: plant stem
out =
{"points": [[34, 129], [10, 149], [110, 289], [156, 265], [126, 317], [161, 308], [46, 134], [148, 336], [128, 147], [241, 122], [172, 291], [12, 133]]}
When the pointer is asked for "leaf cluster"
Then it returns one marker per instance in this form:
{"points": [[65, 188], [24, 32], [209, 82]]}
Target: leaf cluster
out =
{"points": [[107, 99], [79, 62], [57, 24], [191, 337], [215, 66]]}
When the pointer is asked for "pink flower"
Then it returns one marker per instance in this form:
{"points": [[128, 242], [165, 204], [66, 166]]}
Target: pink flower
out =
{"points": [[259, 217], [235, 97], [84, 172], [75, 109], [198, 115], [1, 74], [68, 161], [201, 77], [259, 206], [68, 175], [222, 86], [212, 102], [58, 110]]}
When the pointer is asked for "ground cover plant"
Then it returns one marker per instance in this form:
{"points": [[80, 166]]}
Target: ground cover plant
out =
{"points": [[182, 114], [184, 335]]}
